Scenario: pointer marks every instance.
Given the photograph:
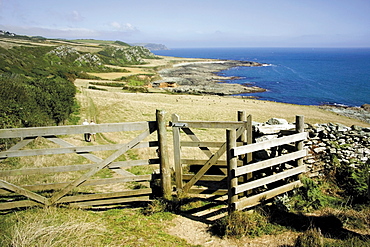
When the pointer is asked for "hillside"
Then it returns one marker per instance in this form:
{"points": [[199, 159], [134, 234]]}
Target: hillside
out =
{"points": [[31, 68]]}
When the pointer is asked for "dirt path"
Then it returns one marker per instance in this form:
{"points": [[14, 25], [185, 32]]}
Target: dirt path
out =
{"points": [[196, 233]]}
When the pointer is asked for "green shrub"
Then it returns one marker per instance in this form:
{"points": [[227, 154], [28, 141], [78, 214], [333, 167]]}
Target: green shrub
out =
{"points": [[310, 238], [306, 198], [30, 102], [163, 205], [97, 88], [240, 224], [352, 178]]}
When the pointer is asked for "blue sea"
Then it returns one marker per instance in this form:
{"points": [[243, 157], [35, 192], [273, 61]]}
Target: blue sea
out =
{"points": [[304, 76]]}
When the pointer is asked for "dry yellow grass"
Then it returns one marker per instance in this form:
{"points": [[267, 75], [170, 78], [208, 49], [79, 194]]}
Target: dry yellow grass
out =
{"points": [[123, 107]]}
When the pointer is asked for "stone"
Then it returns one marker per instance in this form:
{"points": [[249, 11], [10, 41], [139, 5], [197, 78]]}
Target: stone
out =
{"points": [[277, 121], [319, 149], [366, 107], [310, 161]]}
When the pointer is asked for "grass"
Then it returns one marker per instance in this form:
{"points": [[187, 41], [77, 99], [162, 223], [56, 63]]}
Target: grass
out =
{"points": [[245, 224], [72, 227]]}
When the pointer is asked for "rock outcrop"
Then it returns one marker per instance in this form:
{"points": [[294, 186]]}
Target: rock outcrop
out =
{"points": [[202, 78]]}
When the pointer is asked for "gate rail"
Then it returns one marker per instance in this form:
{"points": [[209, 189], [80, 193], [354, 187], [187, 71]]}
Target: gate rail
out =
{"points": [[63, 192]]}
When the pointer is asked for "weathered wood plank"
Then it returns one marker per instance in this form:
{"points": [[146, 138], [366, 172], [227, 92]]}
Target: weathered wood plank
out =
{"points": [[73, 149], [270, 162], [187, 177], [211, 124], [18, 204], [269, 144], [100, 166], [125, 200], [232, 180], [201, 162], [109, 195], [299, 128], [130, 163], [177, 153], [91, 182], [71, 168], [207, 191], [270, 179], [75, 129], [201, 144], [252, 201], [165, 167], [22, 191]]}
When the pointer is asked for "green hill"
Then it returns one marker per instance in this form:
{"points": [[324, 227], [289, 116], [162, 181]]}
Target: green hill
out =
{"points": [[36, 74]]}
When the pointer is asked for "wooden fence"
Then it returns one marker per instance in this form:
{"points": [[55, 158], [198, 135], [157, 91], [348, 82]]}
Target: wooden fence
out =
{"points": [[272, 176], [15, 194], [229, 167], [204, 181]]}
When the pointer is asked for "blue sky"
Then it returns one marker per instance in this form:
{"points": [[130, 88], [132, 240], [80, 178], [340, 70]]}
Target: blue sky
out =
{"points": [[195, 23]]}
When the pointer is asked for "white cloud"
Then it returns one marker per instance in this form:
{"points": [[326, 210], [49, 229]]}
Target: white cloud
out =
{"points": [[127, 27]]}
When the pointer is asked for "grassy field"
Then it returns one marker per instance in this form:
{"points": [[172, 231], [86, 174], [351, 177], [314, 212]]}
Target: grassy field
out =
{"points": [[141, 107]]}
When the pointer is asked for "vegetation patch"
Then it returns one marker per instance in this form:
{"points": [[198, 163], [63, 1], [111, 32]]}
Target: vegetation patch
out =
{"points": [[97, 88], [72, 227], [245, 224]]}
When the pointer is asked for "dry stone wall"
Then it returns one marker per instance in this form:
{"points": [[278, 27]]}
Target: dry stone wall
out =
{"points": [[346, 144], [324, 142]]}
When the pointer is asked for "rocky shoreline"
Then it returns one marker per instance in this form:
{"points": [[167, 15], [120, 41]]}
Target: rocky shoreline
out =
{"points": [[202, 78], [361, 113]]}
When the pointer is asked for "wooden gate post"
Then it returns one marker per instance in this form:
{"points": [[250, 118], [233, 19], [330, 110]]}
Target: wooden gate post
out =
{"points": [[232, 180], [246, 138], [299, 127], [163, 154], [177, 153]]}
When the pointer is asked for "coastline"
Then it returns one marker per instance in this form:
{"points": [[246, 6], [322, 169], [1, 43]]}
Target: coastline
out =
{"points": [[203, 78], [361, 113]]}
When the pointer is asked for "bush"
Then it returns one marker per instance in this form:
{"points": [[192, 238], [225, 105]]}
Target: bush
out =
{"points": [[35, 102], [240, 224], [310, 238], [309, 197], [353, 177]]}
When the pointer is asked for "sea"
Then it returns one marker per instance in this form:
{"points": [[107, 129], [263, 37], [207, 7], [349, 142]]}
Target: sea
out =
{"points": [[304, 76]]}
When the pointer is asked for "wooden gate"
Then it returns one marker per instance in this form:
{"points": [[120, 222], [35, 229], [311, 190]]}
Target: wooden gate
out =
{"points": [[206, 179], [17, 188], [273, 176]]}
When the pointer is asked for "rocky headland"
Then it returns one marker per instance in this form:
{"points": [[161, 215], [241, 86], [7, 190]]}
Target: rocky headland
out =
{"points": [[203, 78]]}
